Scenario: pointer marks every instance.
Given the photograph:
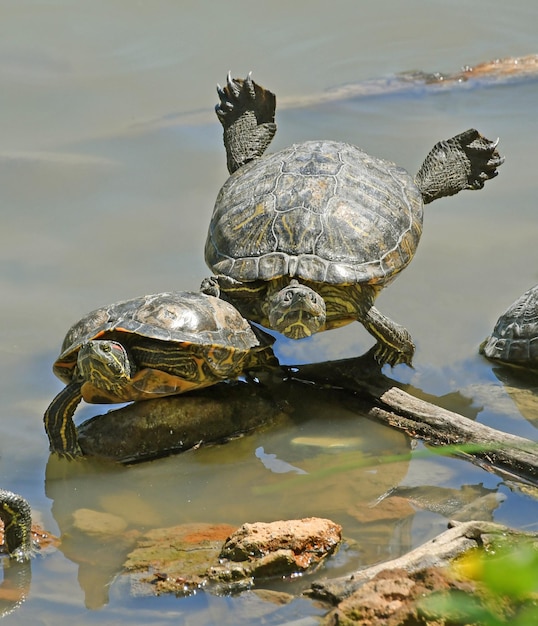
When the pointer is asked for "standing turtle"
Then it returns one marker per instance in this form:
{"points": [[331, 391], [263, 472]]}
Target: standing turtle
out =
{"points": [[156, 345], [305, 239], [515, 337]]}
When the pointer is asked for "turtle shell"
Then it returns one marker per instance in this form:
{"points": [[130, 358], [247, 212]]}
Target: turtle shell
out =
{"points": [[514, 339], [321, 211], [203, 325]]}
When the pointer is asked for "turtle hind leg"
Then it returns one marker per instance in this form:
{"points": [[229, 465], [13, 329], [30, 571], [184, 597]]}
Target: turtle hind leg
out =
{"points": [[247, 113], [465, 161], [58, 421]]}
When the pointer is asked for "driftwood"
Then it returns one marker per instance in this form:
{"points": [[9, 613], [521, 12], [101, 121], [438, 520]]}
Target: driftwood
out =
{"points": [[377, 397], [505, 71], [438, 552]]}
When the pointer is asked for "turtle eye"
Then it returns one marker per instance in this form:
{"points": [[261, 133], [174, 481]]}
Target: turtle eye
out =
{"points": [[106, 347], [288, 296]]}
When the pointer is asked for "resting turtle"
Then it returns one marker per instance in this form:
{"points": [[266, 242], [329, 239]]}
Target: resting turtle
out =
{"points": [[156, 345], [515, 337], [304, 240], [16, 514]]}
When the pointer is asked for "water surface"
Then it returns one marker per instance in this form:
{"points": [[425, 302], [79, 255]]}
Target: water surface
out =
{"points": [[110, 161]]}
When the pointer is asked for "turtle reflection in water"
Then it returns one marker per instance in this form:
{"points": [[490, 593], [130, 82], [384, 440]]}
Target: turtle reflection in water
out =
{"points": [[304, 240], [514, 340], [156, 345]]}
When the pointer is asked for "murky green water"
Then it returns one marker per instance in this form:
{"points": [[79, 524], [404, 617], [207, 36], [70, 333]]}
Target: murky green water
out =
{"points": [[110, 160]]}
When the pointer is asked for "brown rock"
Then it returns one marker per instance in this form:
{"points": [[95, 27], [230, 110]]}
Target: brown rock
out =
{"points": [[391, 599], [307, 541], [174, 560], [183, 558]]}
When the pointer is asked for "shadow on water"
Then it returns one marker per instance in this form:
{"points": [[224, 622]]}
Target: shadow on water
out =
{"points": [[522, 387]]}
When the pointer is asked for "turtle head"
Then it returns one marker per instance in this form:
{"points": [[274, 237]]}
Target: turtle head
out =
{"points": [[297, 311], [105, 364]]}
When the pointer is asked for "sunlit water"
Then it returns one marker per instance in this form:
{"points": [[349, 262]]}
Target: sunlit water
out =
{"points": [[110, 161]]}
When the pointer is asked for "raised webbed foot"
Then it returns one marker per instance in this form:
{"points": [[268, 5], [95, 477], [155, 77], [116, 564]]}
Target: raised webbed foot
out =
{"points": [[247, 113], [465, 161]]}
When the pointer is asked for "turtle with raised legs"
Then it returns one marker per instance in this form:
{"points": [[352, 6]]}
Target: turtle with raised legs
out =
{"points": [[303, 240]]}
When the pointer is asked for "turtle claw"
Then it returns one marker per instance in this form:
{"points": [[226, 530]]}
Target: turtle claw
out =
{"points": [[224, 102], [241, 95], [233, 86], [234, 95], [384, 354], [249, 84], [483, 157], [70, 456]]}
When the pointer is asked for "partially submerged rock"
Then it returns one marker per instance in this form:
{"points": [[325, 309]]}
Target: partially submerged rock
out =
{"points": [[187, 557], [264, 550], [479, 573], [176, 559], [392, 598], [503, 71], [153, 428]]}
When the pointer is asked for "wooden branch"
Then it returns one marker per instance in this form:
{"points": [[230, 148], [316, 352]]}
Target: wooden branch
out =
{"points": [[438, 552], [379, 398]]}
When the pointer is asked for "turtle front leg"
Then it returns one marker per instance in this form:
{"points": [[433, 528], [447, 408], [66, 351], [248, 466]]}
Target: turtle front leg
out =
{"points": [[247, 113], [466, 161], [219, 286], [394, 343], [210, 286], [59, 424]]}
